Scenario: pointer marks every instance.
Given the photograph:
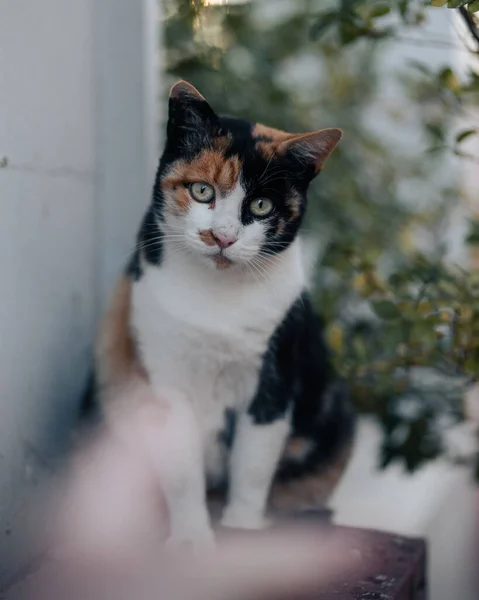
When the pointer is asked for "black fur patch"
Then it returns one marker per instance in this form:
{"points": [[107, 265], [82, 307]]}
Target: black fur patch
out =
{"points": [[226, 436], [149, 246], [297, 374], [133, 268], [330, 429], [89, 405]]}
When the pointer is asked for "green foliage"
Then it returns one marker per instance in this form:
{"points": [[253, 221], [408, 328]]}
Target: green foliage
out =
{"points": [[471, 6], [473, 236], [403, 323]]}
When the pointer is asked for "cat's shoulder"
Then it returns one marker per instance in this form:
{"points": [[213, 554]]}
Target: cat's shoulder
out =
{"points": [[303, 312]]}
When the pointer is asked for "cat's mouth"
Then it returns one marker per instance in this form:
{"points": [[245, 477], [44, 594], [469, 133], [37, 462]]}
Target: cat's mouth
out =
{"points": [[221, 261]]}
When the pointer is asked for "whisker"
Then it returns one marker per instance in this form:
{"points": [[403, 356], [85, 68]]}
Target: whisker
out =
{"points": [[251, 272], [266, 167], [274, 171], [274, 177], [261, 268], [257, 273], [151, 242]]}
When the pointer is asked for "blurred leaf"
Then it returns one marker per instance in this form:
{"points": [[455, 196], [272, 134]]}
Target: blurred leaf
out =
{"points": [[465, 134], [473, 84], [386, 309], [438, 2], [449, 79], [349, 32], [360, 349], [323, 23], [435, 149], [379, 10], [473, 235], [335, 337], [456, 3], [424, 308], [403, 8], [473, 6], [435, 131], [424, 333]]}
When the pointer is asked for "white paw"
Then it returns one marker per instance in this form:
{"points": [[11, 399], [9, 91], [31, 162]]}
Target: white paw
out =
{"points": [[240, 519]]}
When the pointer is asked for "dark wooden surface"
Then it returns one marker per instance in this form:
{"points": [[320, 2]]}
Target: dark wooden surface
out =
{"points": [[389, 567]]}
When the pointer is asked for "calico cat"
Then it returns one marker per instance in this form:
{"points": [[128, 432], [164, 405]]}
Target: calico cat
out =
{"points": [[214, 317]]}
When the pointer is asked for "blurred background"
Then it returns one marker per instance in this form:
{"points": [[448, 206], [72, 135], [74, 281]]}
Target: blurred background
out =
{"points": [[391, 229]]}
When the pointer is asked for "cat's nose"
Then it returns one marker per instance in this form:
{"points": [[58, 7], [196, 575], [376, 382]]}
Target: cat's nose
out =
{"points": [[224, 240]]}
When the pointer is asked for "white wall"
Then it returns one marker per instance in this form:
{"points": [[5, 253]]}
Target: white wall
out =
{"points": [[77, 99], [125, 70]]}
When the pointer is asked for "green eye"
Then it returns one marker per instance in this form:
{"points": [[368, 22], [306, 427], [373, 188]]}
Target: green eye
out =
{"points": [[261, 207], [201, 192]]}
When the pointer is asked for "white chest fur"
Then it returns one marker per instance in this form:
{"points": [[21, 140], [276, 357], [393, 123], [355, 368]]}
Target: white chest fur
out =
{"points": [[203, 332]]}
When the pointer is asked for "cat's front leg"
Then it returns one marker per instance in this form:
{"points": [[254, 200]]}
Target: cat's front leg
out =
{"points": [[256, 451]]}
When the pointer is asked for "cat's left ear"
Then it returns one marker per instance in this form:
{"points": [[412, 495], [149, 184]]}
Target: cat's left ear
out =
{"points": [[313, 148], [188, 110]]}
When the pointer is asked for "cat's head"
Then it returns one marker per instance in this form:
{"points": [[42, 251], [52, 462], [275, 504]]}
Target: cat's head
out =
{"points": [[231, 191]]}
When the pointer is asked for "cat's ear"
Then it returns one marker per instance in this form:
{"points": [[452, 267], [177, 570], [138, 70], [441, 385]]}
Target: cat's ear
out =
{"points": [[188, 110], [313, 148]]}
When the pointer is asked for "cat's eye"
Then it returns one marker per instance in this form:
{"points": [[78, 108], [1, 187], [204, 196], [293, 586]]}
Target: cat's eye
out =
{"points": [[201, 192], [261, 207]]}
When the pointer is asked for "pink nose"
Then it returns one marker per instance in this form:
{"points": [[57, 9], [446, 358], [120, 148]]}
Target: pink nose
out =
{"points": [[224, 240]]}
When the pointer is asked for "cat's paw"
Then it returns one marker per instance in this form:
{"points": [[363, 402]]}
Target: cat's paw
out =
{"points": [[236, 519]]}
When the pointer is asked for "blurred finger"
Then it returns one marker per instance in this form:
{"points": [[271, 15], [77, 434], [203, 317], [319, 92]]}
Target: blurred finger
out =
{"points": [[269, 565]]}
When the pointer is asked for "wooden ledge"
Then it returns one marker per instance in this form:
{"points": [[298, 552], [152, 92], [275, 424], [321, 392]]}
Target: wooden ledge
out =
{"points": [[389, 567]]}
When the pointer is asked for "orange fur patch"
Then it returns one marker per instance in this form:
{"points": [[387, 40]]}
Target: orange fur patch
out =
{"points": [[178, 199], [209, 166], [206, 236], [308, 492], [116, 352], [277, 135], [274, 138], [311, 491], [316, 146]]}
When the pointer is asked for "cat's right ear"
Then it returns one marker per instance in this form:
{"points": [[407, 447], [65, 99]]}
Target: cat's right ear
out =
{"points": [[189, 112]]}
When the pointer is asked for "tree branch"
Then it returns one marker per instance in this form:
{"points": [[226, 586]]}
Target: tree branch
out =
{"points": [[471, 24]]}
